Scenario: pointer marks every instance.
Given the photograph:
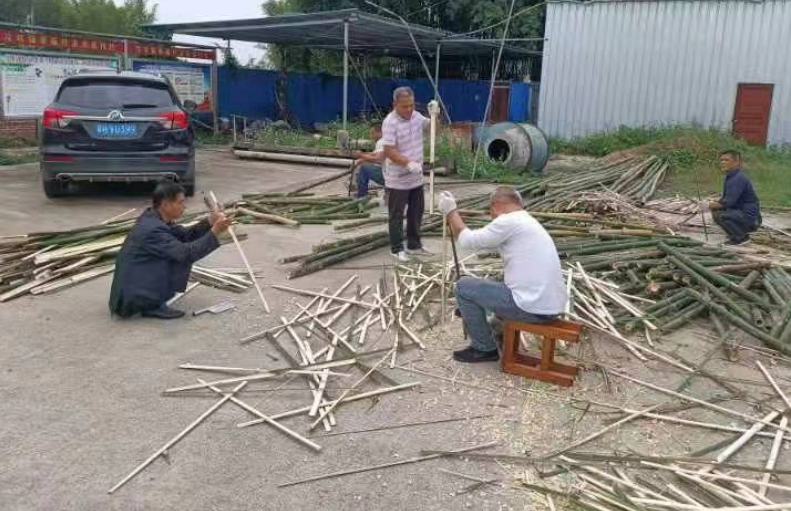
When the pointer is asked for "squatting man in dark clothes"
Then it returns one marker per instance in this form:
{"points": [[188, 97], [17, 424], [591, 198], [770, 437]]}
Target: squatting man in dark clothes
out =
{"points": [[738, 211], [532, 291], [402, 138], [156, 258]]}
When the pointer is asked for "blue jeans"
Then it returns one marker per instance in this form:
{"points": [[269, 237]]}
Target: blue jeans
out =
{"points": [[475, 297], [366, 173]]}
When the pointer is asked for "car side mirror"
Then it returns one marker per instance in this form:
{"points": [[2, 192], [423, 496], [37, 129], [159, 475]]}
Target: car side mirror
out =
{"points": [[190, 106]]}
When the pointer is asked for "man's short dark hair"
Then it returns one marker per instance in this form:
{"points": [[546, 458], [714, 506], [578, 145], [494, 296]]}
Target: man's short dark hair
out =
{"points": [[165, 190], [735, 155], [506, 194]]}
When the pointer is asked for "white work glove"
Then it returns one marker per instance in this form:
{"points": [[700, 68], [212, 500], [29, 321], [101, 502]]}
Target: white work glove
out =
{"points": [[447, 204], [415, 167], [433, 108], [704, 206]]}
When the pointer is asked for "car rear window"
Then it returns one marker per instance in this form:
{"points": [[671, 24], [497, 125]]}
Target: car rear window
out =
{"points": [[115, 94]]}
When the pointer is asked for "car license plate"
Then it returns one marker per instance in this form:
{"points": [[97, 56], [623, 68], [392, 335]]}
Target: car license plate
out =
{"points": [[116, 130]]}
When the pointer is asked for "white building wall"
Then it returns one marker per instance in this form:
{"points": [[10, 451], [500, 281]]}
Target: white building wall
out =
{"points": [[651, 63]]}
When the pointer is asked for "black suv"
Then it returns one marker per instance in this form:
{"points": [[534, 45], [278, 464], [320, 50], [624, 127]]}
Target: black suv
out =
{"points": [[126, 127]]}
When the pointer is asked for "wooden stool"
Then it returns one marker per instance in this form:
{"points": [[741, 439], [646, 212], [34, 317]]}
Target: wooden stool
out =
{"points": [[544, 368]]}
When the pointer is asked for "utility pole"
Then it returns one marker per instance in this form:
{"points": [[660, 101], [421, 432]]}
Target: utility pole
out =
{"points": [[32, 12]]}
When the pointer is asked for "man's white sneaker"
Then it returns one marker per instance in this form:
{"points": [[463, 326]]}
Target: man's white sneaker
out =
{"points": [[418, 252], [401, 256]]}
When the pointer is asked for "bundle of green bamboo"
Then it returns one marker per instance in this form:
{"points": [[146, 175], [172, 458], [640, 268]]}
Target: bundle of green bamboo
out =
{"points": [[635, 179], [300, 208]]}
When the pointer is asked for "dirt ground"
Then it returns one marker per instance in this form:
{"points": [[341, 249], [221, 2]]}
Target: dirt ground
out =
{"points": [[82, 405]]}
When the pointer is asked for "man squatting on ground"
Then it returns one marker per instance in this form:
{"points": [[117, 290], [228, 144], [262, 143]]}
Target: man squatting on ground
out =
{"points": [[738, 211], [369, 165], [402, 135], [156, 258], [532, 291]]}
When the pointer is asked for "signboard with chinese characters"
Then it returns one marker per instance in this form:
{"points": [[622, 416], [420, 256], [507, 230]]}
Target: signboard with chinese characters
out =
{"points": [[92, 44], [191, 81], [28, 83]]}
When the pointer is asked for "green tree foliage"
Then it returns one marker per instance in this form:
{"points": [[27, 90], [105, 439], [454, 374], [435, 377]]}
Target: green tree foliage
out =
{"points": [[486, 17], [88, 15]]}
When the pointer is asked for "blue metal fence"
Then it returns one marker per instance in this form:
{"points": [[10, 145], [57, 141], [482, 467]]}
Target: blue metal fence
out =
{"points": [[315, 98]]}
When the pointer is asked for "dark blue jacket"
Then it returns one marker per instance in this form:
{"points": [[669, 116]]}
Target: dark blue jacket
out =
{"points": [[155, 262], [738, 193]]}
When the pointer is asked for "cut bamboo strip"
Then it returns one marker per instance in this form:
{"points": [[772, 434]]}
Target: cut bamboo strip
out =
{"points": [[345, 393], [293, 434], [347, 399], [773, 455]]}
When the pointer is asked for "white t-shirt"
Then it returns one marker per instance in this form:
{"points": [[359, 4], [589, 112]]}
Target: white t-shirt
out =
{"points": [[532, 265], [379, 148]]}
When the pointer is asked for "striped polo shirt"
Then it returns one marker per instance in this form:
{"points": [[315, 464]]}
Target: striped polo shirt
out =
{"points": [[407, 137]]}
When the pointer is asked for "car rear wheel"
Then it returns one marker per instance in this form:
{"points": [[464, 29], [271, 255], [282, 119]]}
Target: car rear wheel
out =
{"points": [[54, 189]]}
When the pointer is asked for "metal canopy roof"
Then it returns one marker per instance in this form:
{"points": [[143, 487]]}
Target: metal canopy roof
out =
{"points": [[325, 30]]}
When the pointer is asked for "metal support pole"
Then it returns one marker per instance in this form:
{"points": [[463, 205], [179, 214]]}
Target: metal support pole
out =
{"points": [[215, 94], [436, 71], [126, 65], [345, 72]]}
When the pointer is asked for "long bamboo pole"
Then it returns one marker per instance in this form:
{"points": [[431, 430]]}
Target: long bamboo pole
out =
{"points": [[178, 437], [243, 256], [701, 402], [416, 459]]}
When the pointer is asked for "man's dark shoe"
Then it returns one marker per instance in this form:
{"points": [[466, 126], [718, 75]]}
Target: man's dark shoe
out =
{"points": [[163, 312], [470, 355], [743, 241]]}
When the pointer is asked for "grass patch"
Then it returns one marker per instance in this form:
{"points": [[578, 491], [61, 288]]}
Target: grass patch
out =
{"points": [[15, 143], [205, 138], [9, 158], [693, 154], [327, 139]]}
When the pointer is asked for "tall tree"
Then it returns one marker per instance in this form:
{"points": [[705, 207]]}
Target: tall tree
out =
{"points": [[88, 15]]}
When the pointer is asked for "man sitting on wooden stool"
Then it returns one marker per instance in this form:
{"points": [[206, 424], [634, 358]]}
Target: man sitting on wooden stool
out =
{"points": [[532, 291], [156, 258]]}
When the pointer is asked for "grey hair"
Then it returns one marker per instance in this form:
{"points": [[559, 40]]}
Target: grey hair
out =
{"points": [[506, 194], [403, 91]]}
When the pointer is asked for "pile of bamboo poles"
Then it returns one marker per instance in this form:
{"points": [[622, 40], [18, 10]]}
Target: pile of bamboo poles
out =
{"points": [[360, 328], [47, 262], [293, 209], [635, 178]]}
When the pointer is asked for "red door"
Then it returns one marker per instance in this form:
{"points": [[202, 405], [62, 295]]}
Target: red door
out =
{"points": [[499, 108], [751, 115]]}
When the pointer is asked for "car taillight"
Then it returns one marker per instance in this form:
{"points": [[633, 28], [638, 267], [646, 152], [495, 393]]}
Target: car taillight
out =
{"points": [[176, 120], [54, 118]]}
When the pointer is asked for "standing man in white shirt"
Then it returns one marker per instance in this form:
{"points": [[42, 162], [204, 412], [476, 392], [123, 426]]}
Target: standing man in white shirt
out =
{"points": [[402, 135], [532, 291]]}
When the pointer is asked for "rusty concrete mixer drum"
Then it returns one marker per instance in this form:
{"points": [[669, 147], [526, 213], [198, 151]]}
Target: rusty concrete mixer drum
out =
{"points": [[521, 147]]}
